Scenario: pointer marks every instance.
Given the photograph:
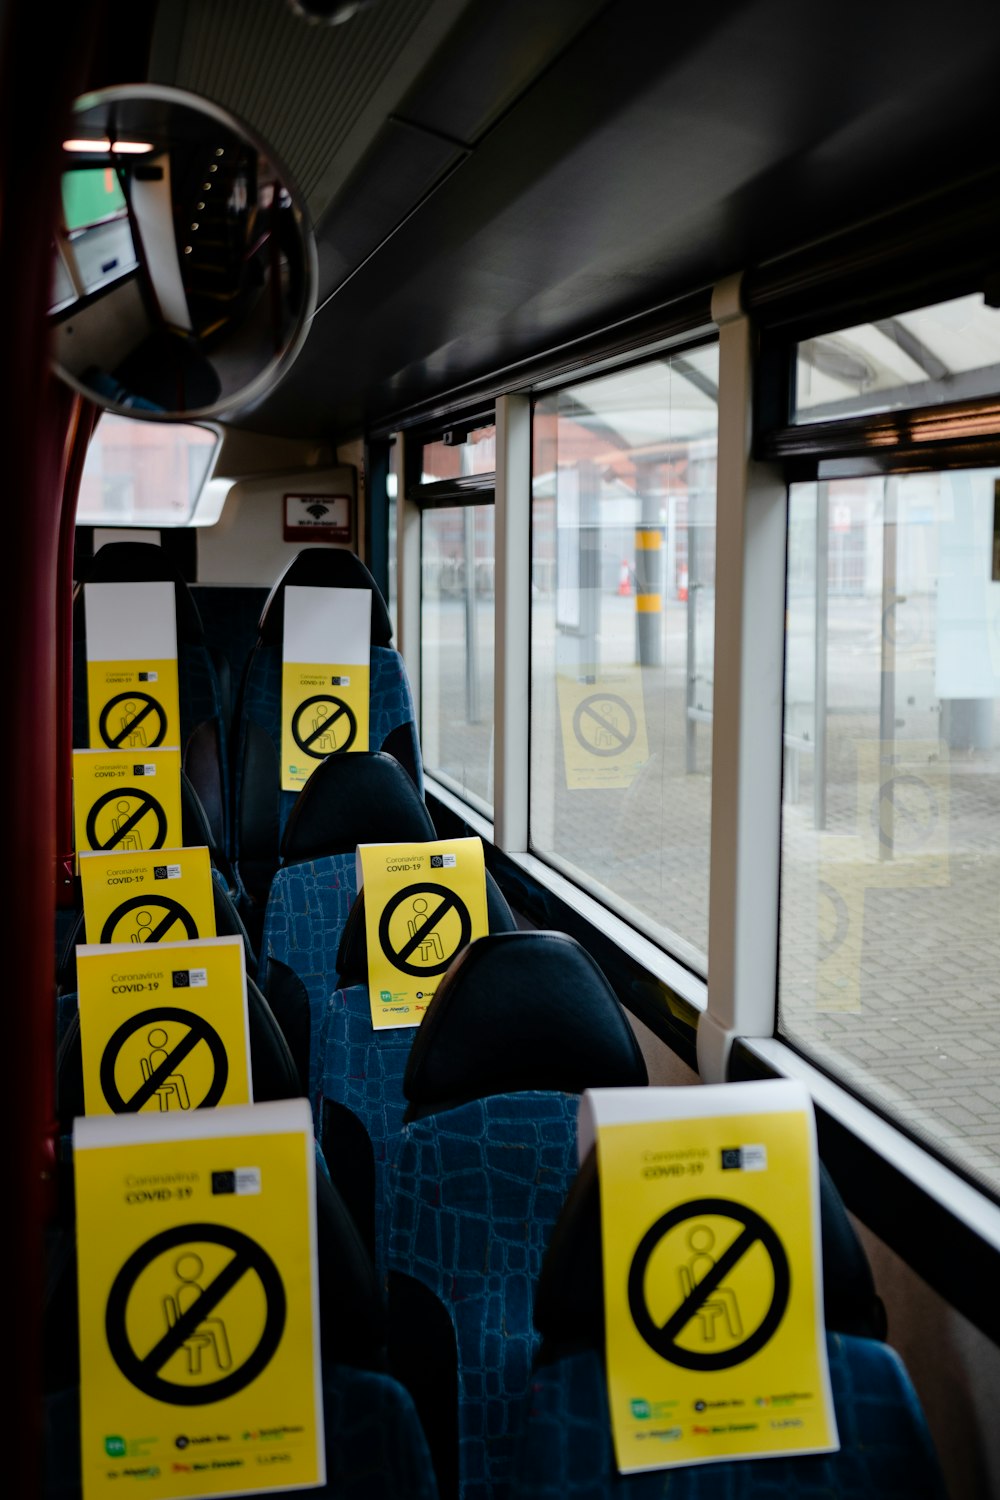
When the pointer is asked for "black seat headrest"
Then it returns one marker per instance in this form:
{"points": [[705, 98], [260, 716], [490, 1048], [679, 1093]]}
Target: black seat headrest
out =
{"points": [[352, 955], [365, 797], [325, 568], [517, 1011], [140, 562], [569, 1299]]}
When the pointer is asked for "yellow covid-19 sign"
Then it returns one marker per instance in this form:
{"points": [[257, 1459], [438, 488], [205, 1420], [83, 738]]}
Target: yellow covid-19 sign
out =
{"points": [[199, 1344], [603, 724], [423, 904], [325, 678], [133, 698], [163, 1028], [125, 802], [710, 1235], [162, 896]]}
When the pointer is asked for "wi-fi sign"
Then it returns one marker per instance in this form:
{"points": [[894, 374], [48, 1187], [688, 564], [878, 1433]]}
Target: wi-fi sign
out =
{"points": [[317, 510]]}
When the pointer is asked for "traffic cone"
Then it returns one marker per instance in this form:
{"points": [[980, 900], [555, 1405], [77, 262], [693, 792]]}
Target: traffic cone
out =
{"points": [[625, 580], [682, 584]]}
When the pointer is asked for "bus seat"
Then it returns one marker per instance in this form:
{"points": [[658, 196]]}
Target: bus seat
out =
{"points": [[565, 1447], [360, 1077], [261, 807], [886, 1450], [520, 1025], [348, 800], [204, 746], [230, 614], [375, 1446]]}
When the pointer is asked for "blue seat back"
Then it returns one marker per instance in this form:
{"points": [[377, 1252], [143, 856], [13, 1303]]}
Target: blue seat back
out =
{"points": [[474, 1193], [886, 1451], [349, 800], [521, 1023], [361, 1103], [307, 909]]}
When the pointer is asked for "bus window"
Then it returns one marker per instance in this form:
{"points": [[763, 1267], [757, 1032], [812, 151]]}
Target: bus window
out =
{"points": [[144, 473], [622, 622], [890, 879], [457, 549], [931, 355], [456, 642]]}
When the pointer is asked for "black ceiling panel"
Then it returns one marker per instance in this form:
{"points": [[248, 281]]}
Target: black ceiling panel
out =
{"points": [[635, 156]]}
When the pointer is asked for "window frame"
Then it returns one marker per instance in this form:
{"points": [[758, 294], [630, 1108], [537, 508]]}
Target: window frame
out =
{"points": [[420, 496]]}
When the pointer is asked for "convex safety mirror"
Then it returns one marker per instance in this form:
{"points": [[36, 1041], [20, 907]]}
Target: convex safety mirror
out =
{"points": [[184, 265]]}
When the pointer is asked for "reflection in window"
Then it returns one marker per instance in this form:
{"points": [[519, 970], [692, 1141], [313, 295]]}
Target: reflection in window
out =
{"points": [[890, 888], [143, 473], [474, 452], [456, 634], [622, 618], [946, 353]]}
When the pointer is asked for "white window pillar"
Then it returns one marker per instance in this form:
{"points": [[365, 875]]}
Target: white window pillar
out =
{"points": [[747, 713]]}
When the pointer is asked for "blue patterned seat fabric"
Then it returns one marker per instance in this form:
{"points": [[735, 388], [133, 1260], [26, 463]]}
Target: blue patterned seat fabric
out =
{"points": [[565, 1450], [307, 908], [474, 1193], [361, 1076], [519, 1025], [361, 1102]]}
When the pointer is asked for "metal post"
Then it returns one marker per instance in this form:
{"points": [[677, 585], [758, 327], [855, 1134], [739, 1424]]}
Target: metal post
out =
{"points": [[822, 619], [691, 727], [590, 568], [648, 570], [887, 685], [471, 624]]}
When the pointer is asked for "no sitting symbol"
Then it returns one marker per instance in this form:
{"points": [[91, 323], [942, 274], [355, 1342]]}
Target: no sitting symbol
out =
{"points": [[192, 1307], [134, 720], [141, 928], [324, 725], [156, 1066], [703, 1291], [127, 825], [605, 724], [422, 927]]}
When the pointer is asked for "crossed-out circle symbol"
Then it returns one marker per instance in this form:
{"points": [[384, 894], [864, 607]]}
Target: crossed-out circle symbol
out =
{"points": [[425, 924], [827, 947], [199, 1030], [175, 912], [662, 1338], [327, 722], [147, 804], [917, 822], [133, 721], [142, 1370], [592, 717]]}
